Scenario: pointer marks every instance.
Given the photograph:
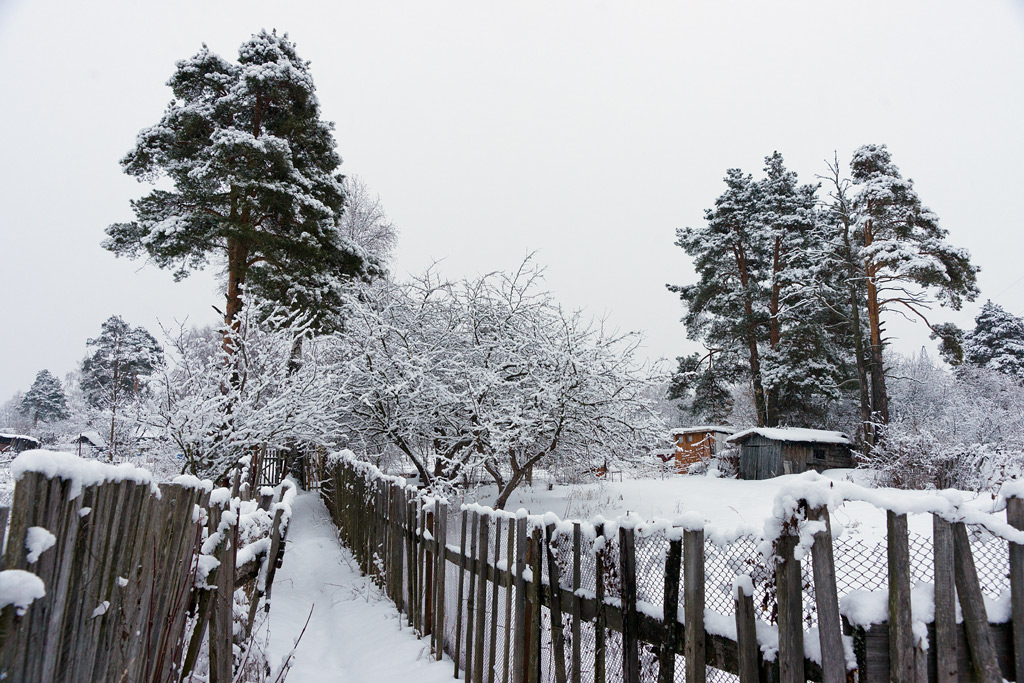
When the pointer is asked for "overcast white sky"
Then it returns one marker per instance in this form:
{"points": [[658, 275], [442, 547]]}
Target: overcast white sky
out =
{"points": [[588, 131]]}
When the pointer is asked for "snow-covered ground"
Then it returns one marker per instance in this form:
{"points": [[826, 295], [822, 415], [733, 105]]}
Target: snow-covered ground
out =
{"points": [[355, 633], [731, 506]]}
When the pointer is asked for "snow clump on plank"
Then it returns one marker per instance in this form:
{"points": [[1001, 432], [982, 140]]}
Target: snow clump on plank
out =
{"points": [[20, 588], [37, 541]]}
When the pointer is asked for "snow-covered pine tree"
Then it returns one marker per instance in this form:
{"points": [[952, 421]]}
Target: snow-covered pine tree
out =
{"points": [[997, 341], [801, 368], [118, 368], [702, 383], [764, 298], [45, 400], [904, 255], [255, 179], [725, 308]]}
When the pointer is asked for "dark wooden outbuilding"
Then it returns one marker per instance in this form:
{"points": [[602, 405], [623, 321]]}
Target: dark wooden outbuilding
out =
{"points": [[16, 443], [767, 452]]}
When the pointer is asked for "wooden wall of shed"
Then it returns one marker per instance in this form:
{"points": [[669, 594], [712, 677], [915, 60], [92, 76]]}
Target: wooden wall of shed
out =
{"points": [[764, 458]]}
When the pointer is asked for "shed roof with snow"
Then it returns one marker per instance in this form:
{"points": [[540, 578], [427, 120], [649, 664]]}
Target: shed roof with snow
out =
{"points": [[792, 434]]}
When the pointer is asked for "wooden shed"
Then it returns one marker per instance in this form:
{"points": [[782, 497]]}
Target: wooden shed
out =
{"points": [[16, 443], [767, 452], [694, 444]]}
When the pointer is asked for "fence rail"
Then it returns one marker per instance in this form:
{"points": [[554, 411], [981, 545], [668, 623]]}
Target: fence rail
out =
{"points": [[529, 599]]}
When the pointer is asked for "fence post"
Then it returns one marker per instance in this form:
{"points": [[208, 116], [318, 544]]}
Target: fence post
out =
{"points": [[481, 601], [555, 585], [427, 560], [458, 604], [600, 543], [493, 643], [1015, 516], [440, 579], [968, 588], [946, 640], [746, 633], [534, 554], [577, 536], [630, 621], [830, 628], [521, 654], [693, 605], [510, 556], [901, 637], [667, 656], [221, 626], [471, 596], [790, 597]]}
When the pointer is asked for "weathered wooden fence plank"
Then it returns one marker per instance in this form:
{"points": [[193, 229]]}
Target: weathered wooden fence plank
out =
{"points": [[946, 640], [458, 602], [599, 617], [630, 630], [790, 600], [901, 636], [983, 655], [693, 605], [557, 628], [826, 597], [520, 655], [577, 655], [667, 654], [746, 637]]}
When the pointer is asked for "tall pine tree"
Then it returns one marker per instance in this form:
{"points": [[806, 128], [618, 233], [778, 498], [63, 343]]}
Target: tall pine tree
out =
{"points": [[255, 181], [904, 256]]}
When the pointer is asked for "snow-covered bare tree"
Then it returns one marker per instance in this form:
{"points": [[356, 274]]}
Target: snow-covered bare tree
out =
{"points": [[116, 372], [364, 221], [491, 373], [255, 181], [273, 402], [45, 399]]}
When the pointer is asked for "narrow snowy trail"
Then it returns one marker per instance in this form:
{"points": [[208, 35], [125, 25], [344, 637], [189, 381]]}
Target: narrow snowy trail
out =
{"points": [[354, 633]]}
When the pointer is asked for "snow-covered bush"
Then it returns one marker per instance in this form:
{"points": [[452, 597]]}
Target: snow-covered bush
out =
{"points": [[961, 429], [274, 390]]}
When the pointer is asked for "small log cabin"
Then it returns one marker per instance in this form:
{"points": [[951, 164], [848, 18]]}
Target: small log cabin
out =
{"points": [[694, 444], [767, 452]]}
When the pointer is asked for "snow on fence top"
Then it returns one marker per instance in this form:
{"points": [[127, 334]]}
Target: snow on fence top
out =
{"points": [[792, 434], [78, 471], [702, 428]]}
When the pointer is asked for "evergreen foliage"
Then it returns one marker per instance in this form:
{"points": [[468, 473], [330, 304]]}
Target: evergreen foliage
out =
{"points": [[45, 400], [255, 182], [121, 361], [997, 341]]}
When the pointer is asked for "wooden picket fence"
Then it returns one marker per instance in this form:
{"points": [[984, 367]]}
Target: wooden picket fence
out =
{"points": [[540, 622], [122, 599]]}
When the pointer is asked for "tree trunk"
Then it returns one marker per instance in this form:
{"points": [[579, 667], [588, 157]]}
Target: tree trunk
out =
{"points": [[879, 397], [858, 342], [760, 400], [238, 254]]}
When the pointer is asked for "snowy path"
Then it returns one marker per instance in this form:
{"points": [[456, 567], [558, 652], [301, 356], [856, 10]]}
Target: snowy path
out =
{"points": [[354, 634]]}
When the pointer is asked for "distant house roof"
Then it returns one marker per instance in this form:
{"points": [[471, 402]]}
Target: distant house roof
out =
{"points": [[792, 434], [93, 439], [703, 428]]}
